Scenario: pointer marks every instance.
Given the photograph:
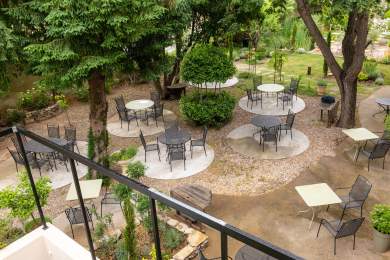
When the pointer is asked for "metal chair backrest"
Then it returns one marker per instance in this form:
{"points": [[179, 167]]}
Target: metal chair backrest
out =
{"points": [[333, 111], [205, 130], [385, 136], [380, 150], [257, 81], [53, 131], [360, 189], [16, 156], [155, 97], [70, 133], [75, 215], [120, 103], [349, 228], [290, 118], [141, 136], [294, 84]]}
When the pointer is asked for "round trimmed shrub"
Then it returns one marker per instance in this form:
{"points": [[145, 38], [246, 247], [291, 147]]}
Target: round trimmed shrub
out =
{"points": [[206, 63], [211, 109]]}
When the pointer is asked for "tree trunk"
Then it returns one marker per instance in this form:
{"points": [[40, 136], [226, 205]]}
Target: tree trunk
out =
{"points": [[98, 117], [348, 104], [329, 42]]}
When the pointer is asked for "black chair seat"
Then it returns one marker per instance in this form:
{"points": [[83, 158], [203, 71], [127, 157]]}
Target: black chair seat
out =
{"points": [[332, 226], [197, 142], [349, 202], [151, 147]]}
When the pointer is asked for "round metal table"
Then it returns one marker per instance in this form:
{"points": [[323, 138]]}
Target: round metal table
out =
{"points": [[180, 137], [35, 147], [384, 103], [270, 88], [140, 104], [266, 122], [249, 253]]}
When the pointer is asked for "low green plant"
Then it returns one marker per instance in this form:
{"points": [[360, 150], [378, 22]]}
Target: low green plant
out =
{"points": [[135, 170], [380, 218], [322, 83], [172, 238], [362, 76], [211, 109], [370, 68], [33, 99], [387, 123], [102, 225], [34, 223], [8, 234], [14, 116], [246, 75], [82, 94], [123, 154], [153, 255], [379, 81], [129, 235], [121, 191]]}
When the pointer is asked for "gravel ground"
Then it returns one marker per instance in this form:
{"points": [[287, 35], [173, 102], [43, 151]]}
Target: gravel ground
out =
{"points": [[230, 173]]}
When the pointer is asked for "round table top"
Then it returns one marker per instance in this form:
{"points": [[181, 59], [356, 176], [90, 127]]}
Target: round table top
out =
{"points": [[266, 121], [35, 147], [139, 104], [270, 87], [249, 253], [177, 86], [180, 137], [383, 101]]}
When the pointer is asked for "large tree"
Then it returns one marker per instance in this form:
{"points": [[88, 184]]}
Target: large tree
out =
{"points": [[353, 47], [86, 41]]}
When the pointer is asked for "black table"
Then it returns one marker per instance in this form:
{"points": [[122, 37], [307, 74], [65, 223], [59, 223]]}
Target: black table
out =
{"points": [[35, 147], [266, 122], [384, 103], [180, 137], [249, 253]]}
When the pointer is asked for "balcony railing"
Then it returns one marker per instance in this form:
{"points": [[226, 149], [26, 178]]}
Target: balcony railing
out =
{"points": [[226, 230]]}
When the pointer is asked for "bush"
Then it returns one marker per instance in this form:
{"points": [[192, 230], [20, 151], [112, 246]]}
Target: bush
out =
{"points": [[135, 170], [211, 109], [8, 234], [34, 223], [33, 99], [322, 83], [246, 75], [371, 70], [82, 94], [206, 63], [13, 116], [380, 217], [172, 238], [362, 76], [123, 154], [380, 81]]}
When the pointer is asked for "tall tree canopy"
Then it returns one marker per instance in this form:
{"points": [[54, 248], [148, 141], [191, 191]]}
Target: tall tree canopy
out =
{"points": [[353, 46]]}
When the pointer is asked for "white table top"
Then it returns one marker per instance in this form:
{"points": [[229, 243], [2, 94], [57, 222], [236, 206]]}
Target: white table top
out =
{"points": [[139, 104], [360, 134], [90, 189], [270, 88], [317, 194]]}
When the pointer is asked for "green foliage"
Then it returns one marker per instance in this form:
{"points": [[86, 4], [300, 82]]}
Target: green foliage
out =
{"points": [[370, 68], [123, 154], [380, 217], [34, 223], [102, 225], [130, 240], [81, 93], [246, 75], [211, 109], [142, 205], [387, 123], [13, 116], [322, 83], [153, 255], [20, 199], [91, 149], [171, 238], [362, 76], [8, 233], [379, 81], [135, 170], [206, 63], [33, 99]]}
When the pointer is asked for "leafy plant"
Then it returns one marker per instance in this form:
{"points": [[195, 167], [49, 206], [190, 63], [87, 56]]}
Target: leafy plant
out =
{"points": [[102, 225], [123, 154], [81, 93], [121, 191], [370, 68], [322, 83], [362, 76], [212, 109], [20, 199], [153, 255], [387, 123], [34, 223], [33, 99], [8, 234], [245, 75], [379, 81], [90, 150], [172, 238], [130, 240], [135, 170], [14, 116], [380, 217]]}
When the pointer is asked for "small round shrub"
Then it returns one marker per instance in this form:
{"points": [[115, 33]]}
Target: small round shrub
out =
{"points": [[380, 217], [211, 109], [34, 99], [380, 81], [82, 94], [362, 76], [135, 170]]}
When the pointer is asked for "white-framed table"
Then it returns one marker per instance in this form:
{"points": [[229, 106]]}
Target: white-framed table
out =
{"points": [[360, 136], [90, 189], [315, 195], [140, 104], [270, 88]]}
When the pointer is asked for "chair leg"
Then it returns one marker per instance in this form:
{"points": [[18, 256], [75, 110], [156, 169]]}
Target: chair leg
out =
{"points": [[191, 150], [368, 165], [361, 211], [319, 228], [71, 228], [128, 125], [204, 148], [291, 133], [101, 209], [354, 238], [334, 247], [16, 166], [158, 152], [145, 155], [327, 208]]}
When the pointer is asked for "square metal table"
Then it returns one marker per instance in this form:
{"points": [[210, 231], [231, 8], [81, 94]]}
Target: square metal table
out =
{"points": [[315, 195], [360, 136], [90, 189]]}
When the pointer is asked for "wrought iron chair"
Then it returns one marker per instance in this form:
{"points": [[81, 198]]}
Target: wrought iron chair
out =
{"points": [[53, 131], [34, 162], [356, 196], [123, 112], [149, 147], [289, 124], [157, 111], [16, 144], [75, 216], [109, 199], [177, 153], [269, 135], [285, 98], [253, 98], [257, 81], [293, 88], [339, 229], [332, 114], [63, 159], [155, 97], [202, 257], [200, 142], [379, 151], [71, 136]]}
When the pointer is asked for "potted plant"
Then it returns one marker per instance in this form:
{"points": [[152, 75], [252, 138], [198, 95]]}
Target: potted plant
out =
{"points": [[321, 87], [380, 218]]}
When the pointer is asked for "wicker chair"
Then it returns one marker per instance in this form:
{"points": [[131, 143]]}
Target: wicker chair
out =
{"points": [[289, 123], [356, 196], [75, 216], [53, 131], [339, 229], [379, 151], [149, 147]]}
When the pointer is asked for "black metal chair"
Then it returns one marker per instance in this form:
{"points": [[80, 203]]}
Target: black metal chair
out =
{"points": [[356, 196], [269, 135], [16, 144], [109, 199], [379, 151], [34, 162], [177, 153], [155, 97], [71, 136], [339, 229], [253, 98], [289, 123], [285, 98], [75, 216], [149, 147], [200, 142], [123, 113], [53, 131], [157, 111], [293, 88], [202, 257], [63, 159]]}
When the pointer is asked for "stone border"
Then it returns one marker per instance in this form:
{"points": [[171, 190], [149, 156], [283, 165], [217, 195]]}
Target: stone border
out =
{"points": [[43, 114]]}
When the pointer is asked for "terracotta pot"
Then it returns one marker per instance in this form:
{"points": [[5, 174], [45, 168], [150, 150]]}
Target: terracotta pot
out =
{"points": [[381, 241], [321, 90]]}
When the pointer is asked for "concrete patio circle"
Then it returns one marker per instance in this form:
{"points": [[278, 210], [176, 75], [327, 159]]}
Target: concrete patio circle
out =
{"points": [[115, 128], [229, 83], [59, 177], [161, 170], [242, 141], [270, 106]]}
